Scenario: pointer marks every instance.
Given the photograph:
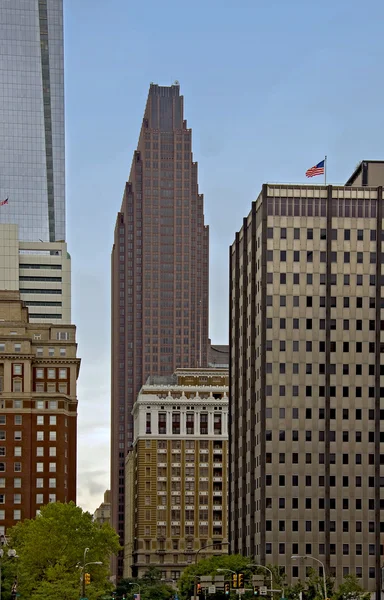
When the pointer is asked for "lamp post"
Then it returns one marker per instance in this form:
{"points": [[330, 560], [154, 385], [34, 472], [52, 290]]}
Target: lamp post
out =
{"points": [[97, 562], [196, 557], [267, 569], [134, 583], [296, 556]]}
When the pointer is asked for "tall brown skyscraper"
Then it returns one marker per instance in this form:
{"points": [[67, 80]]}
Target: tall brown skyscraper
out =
{"points": [[159, 273]]}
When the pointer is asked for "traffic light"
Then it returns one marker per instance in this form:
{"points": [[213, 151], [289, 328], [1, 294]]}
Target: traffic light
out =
{"points": [[199, 589], [227, 588], [234, 581], [87, 578], [241, 580], [256, 591]]}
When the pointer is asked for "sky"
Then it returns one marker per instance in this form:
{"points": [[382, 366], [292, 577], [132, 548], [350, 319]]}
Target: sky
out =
{"points": [[269, 89]]}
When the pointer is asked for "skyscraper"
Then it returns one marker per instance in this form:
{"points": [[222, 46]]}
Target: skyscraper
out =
{"points": [[159, 272], [306, 329], [32, 161]]}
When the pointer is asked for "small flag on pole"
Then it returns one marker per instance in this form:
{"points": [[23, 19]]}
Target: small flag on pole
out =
{"points": [[316, 170], [4, 202]]}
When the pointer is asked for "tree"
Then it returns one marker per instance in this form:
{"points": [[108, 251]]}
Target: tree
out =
{"points": [[350, 589], [151, 587], [51, 553], [209, 566]]}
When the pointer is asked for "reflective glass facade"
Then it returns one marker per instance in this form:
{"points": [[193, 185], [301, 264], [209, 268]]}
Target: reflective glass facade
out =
{"points": [[32, 160]]}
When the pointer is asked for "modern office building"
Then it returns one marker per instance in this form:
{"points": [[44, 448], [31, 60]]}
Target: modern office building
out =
{"points": [[159, 273], [176, 474], [306, 355], [41, 272], [38, 431], [32, 160]]}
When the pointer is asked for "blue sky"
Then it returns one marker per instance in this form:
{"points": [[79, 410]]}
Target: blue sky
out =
{"points": [[269, 88]]}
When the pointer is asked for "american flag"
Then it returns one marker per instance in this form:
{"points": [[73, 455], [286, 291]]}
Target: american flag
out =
{"points": [[4, 202], [316, 170]]}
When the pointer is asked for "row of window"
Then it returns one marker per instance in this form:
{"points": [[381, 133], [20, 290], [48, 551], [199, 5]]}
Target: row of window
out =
{"points": [[189, 423], [51, 351], [321, 234], [17, 435], [50, 373], [308, 255], [189, 444], [333, 481], [17, 500], [334, 346], [18, 419], [309, 436], [346, 504], [303, 323], [332, 393], [309, 526], [320, 301], [345, 369]]}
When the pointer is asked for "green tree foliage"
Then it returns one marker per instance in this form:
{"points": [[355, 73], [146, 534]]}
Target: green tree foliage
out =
{"points": [[151, 587], [350, 589], [209, 566], [51, 552]]}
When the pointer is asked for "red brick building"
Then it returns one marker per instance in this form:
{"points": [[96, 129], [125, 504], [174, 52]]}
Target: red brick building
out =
{"points": [[38, 412]]}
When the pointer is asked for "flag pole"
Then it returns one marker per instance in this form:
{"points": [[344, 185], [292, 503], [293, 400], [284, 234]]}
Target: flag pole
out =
{"points": [[325, 170]]}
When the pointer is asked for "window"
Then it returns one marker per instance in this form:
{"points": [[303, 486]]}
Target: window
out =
{"points": [[53, 405], [52, 467], [16, 498], [39, 482], [52, 482], [62, 373], [17, 482], [39, 498], [40, 420], [39, 451], [39, 467], [40, 436], [63, 352], [52, 420], [17, 451], [17, 467], [17, 514], [17, 436], [52, 451]]}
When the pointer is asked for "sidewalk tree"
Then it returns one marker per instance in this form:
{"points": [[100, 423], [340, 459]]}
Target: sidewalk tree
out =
{"points": [[50, 552]]}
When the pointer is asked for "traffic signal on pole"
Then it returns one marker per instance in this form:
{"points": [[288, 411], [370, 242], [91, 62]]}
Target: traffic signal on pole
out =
{"points": [[199, 590], [234, 581], [87, 578], [227, 588], [241, 580], [256, 591]]}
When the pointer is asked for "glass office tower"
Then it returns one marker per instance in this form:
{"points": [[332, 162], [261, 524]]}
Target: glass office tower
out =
{"points": [[32, 161]]}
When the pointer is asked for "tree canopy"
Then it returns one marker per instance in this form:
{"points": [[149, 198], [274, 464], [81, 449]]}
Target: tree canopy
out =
{"points": [[51, 551]]}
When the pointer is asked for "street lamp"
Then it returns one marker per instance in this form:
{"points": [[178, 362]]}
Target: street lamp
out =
{"points": [[196, 557], [296, 557], [134, 583], [82, 568], [267, 569], [230, 570]]}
